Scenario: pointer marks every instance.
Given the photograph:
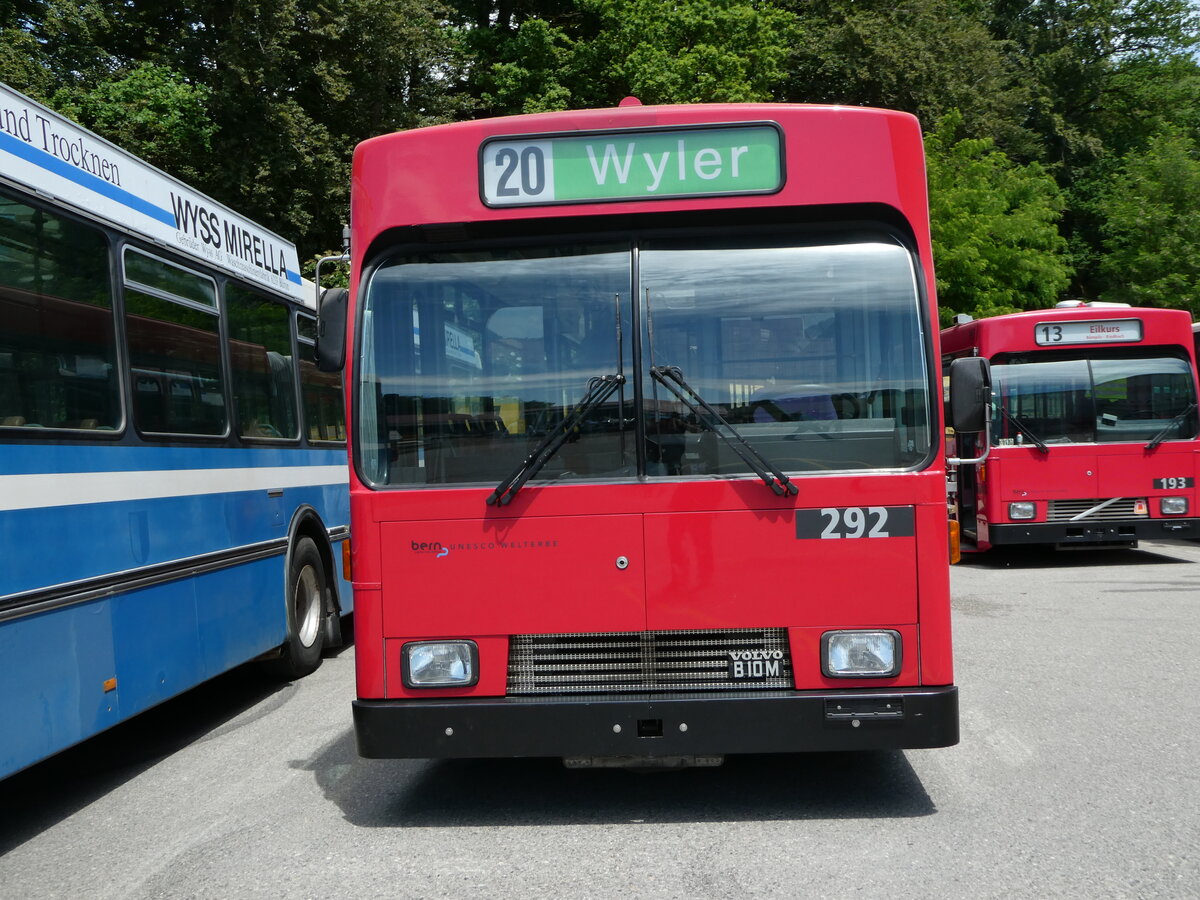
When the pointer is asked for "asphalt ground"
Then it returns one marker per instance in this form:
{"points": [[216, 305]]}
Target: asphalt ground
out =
{"points": [[1076, 777]]}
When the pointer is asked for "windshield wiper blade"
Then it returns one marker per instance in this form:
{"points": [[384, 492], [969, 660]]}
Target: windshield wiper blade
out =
{"points": [[599, 389], [1024, 429], [672, 379], [1166, 429]]}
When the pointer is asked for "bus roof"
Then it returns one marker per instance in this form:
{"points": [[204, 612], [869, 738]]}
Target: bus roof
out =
{"points": [[639, 159], [52, 155], [1016, 332]]}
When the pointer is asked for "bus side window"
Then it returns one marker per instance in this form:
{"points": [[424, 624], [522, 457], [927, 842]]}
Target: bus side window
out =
{"points": [[264, 373], [320, 392], [172, 323], [57, 336]]}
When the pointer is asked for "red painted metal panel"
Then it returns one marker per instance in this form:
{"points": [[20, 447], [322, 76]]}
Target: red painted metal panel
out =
{"points": [[1128, 470], [368, 642], [747, 568], [513, 575], [933, 574], [1067, 472], [1015, 333], [833, 155]]}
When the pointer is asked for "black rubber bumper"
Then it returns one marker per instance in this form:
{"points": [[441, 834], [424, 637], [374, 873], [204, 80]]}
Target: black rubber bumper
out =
{"points": [[1094, 533], [748, 722]]}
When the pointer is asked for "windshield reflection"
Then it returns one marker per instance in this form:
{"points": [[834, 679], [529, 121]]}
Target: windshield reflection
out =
{"points": [[1099, 400], [813, 351]]}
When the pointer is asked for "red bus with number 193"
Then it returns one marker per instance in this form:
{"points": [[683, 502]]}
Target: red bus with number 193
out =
{"points": [[646, 437], [1094, 436]]}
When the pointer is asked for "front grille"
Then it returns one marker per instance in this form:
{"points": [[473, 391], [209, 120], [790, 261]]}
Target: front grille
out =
{"points": [[640, 662], [1121, 508]]}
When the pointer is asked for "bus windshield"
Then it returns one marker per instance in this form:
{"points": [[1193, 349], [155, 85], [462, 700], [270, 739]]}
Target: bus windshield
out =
{"points": [[811, 350], [1128, 396]]}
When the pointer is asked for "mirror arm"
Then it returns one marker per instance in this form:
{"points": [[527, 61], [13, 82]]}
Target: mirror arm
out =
{"points": [[345, 257], [987, 448]]}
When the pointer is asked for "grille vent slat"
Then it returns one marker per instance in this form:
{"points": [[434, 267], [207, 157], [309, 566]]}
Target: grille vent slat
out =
{"points": [[1065, 510], [640, 662]]}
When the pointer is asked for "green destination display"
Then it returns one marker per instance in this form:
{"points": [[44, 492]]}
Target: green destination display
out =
{"points": [[632, 165]]}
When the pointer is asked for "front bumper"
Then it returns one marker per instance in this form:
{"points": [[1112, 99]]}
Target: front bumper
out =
{"points": [[691, 725], [1115, 531]]}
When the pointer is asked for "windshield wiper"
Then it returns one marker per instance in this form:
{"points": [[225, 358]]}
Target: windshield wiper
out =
{"points": [[599, 389], [1166, 429], [1024, 429], [672, 379]]}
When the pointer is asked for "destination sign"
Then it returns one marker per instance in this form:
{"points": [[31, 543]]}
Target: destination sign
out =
{"points": [[1093, 331], [632, 165]]}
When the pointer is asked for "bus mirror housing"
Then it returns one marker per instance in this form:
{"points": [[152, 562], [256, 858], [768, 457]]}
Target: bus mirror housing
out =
{"points": [[970, 402], [970, 394], [331, 330]]}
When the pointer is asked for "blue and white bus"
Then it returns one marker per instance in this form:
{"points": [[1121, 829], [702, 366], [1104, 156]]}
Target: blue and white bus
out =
{"points": [[173, 478]]}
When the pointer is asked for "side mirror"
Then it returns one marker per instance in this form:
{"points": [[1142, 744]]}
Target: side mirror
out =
{"points": [[331, 330], [970, 394]]}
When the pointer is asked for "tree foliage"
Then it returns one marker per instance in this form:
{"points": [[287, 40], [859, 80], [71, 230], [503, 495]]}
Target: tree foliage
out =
{"points": [[926, 57], [156, 112], [1151, 214], [1055, 125], [693, 51], [995, 242]]}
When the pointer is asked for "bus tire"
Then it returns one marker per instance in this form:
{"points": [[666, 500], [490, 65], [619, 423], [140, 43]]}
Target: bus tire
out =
{"points": [[306, 588]]}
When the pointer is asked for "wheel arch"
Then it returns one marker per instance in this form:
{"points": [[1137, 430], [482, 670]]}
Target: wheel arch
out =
{"points": [[307, 522]]}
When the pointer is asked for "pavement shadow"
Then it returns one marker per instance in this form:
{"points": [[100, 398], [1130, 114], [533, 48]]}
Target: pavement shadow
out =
{"points": [[1050, 558], [525, 792]]}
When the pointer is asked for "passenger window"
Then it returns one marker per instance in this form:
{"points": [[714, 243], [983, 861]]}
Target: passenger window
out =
{"points": [[58, 354], [263, 375], [174, 348], [320, 392]]}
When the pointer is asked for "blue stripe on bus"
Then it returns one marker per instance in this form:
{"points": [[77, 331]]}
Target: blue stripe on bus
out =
{"points": [[52, 163], [38, 459], [109, 538], [293, 277]]}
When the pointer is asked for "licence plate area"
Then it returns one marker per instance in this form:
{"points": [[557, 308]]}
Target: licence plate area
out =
{"points": [[856, 709], [751, 665]]}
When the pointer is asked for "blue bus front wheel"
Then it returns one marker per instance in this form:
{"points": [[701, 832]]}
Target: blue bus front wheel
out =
{"points": [[301, 652]]}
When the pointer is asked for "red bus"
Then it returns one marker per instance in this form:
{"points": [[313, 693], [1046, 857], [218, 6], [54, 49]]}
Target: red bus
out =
{"points": [[646, 437], [1094, 427]]}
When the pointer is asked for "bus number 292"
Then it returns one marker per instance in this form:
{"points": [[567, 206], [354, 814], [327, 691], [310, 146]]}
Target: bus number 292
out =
{"points": [[838, 522]]}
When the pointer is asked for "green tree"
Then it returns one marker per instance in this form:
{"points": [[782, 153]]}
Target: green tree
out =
{"points": [[595, 52], [1151, 231], [258, 103], [46, 45], [690, 51], [996, 248], [150, 111], [1104, 77], [925, 57], [1072, 53]]}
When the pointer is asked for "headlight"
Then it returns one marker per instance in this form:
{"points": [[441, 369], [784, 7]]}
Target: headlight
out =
{"points": [[1022, 509], [1172, 506], [860, 654], [439, 664]]}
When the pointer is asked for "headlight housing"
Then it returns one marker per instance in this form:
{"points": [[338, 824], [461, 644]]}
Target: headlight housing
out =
{"points": [[439, 664], [1173, 506], [860, 654], [1022, 509]]}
